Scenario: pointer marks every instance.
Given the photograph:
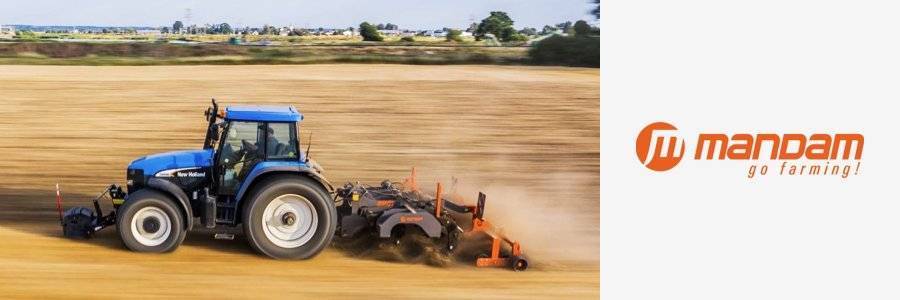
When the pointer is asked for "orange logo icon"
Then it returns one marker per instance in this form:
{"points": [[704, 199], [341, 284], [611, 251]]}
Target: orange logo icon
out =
{"points": [[658, 148]]}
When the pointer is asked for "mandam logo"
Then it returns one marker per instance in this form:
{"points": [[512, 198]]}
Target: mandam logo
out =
{"points": [[659, 148], [657, 145]]}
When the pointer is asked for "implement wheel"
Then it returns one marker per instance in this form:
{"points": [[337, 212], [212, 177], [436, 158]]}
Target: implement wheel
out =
{"points": [[289, 217]]}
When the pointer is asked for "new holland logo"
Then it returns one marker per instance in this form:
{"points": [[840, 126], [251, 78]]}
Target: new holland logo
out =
{"points": [[191, 174], [659, 148]]}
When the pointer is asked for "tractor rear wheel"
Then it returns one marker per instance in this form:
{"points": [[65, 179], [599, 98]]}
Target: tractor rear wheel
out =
{"points": [[150, 222], [289, 217]]}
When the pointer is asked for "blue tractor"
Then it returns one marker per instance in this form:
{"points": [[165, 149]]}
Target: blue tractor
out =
{"points": [[251, 173]]}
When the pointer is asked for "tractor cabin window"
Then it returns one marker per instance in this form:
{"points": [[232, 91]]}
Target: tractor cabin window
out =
{"points": [[240, 151], [281, 142]]}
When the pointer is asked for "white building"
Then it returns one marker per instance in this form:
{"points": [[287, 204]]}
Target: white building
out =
{"points": [[390, 32], [6, 31], [149, 31], [435, 33]]}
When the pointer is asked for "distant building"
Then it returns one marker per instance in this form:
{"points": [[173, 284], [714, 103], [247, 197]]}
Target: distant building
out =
{"points": [[435, 33], [390, 32], [149, 31], [7, 31]]}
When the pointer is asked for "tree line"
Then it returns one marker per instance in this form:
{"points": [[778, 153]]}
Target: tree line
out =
{"points": [[497, 25]]}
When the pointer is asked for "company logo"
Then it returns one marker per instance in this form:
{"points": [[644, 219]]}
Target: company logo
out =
{"points": [[182, 172], [658, 148], [411, 219], [190, 174]]}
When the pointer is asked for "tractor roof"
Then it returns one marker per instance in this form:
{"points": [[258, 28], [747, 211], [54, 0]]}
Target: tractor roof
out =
{"points": [[263, 113]]}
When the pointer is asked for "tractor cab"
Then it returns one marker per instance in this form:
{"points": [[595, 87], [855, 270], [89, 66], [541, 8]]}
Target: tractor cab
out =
{"points": [[248, 136]]}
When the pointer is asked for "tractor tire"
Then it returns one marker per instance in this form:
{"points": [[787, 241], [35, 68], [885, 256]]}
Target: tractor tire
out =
{"points": [[150, 222], [289, 217]]}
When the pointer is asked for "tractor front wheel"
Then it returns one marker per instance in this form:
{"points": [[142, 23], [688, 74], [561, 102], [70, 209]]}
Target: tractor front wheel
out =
{"points": [[150, 222]]}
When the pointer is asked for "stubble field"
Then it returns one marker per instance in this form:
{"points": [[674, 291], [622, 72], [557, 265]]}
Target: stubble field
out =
{"points": [[527, 136]]}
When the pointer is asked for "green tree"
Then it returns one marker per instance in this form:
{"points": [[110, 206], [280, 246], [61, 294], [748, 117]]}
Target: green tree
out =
{"points": [[369, 32], [177, 27], [548, 29], [472, 27], [567, 51], [26, 35], [582, 28], [269, 30], [511, 35], [454, 35], [528, 31], [565, 27], [407, 39], [498, 23], [224, 28], [298, 32]]}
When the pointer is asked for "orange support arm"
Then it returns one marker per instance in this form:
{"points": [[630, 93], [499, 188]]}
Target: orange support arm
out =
{"points": [[438, 202], [410, 182]]}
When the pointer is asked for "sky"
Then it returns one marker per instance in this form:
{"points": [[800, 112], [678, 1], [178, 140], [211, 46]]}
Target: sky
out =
{"points": [[409, 14]]}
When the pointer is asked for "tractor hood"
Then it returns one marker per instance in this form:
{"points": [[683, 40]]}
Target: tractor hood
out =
{"points": [[151, 164]]}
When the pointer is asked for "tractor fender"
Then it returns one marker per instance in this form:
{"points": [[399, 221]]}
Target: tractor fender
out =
{"points": [[280, 167], [175, 191], [402, 216]]}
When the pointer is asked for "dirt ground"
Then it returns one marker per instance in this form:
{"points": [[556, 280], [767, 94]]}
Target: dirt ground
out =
{"points": [[527, 136]]}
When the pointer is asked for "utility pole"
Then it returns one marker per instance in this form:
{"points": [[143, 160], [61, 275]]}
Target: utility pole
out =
{"points": [[187, 19]]}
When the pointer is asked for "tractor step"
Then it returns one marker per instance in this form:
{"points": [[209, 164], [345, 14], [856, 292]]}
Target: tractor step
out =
{"points": [[224, 236], [225, 212]]}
